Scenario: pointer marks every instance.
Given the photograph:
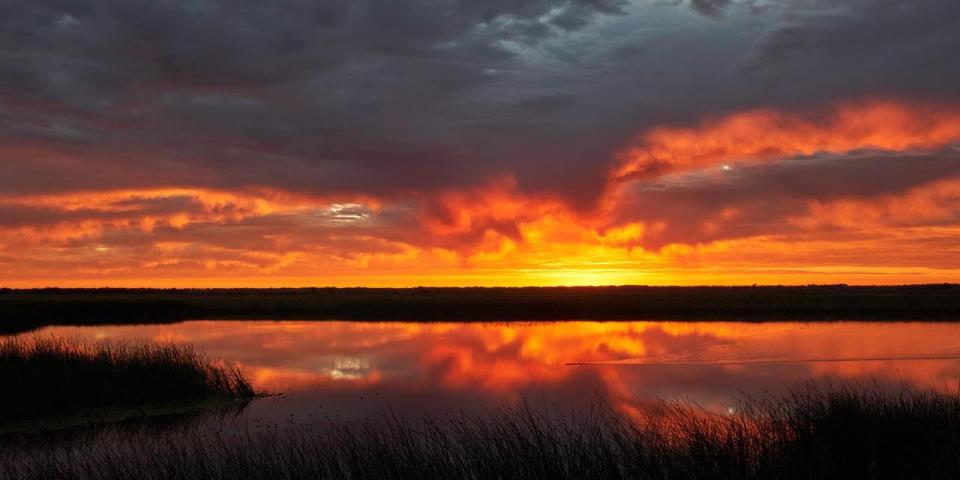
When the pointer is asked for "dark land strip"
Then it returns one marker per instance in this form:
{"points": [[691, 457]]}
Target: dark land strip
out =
{"points": [[27, 309]]}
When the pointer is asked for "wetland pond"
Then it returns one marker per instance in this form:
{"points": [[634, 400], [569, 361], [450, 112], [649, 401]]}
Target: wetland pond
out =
{"points": [[350, 370]]}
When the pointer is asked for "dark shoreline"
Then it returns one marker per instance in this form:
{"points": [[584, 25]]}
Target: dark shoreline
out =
{"points": [[25, 309]]}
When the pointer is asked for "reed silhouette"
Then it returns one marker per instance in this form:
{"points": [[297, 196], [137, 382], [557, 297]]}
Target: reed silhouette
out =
{"points": [[834, 431], [45, 377]]}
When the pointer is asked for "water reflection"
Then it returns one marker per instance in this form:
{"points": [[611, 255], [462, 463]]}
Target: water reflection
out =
{"points": [[351, 369]]}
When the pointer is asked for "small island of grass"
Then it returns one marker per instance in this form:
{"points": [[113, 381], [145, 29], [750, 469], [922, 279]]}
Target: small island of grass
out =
{"points": [[49, 382]]}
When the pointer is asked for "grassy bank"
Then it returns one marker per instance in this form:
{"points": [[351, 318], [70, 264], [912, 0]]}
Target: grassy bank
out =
{"points": [[842, 432], [25, 309], [47, 380]]}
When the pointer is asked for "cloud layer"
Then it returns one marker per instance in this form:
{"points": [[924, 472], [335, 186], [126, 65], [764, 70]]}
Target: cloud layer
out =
{"points": [[459, 142]]}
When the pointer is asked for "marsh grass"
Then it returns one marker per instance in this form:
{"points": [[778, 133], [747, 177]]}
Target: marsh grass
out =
{"points": [[836, 431], [45, 377]]}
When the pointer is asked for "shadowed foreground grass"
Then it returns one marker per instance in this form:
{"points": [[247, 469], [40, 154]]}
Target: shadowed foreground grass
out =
{"points": [[44, 377], [835, 432]]}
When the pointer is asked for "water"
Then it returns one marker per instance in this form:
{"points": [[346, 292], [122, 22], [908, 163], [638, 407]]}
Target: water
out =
{"points": [[348, 370]]}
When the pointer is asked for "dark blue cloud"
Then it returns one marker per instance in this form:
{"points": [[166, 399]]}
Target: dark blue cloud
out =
{"points": [[392, 98]]}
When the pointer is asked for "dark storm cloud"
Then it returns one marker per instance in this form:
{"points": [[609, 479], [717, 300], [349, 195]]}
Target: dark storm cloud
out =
{"points": [[711, 8], [866, 46], [392, 98], [547, 103], [224, 44], [323, 95], [135, 43]]}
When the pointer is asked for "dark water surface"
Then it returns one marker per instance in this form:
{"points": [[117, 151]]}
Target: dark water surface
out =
{"points": [[347, 370]]}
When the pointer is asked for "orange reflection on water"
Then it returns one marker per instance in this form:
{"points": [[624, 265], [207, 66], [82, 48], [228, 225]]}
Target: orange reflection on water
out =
{"points": [[354, 367]]}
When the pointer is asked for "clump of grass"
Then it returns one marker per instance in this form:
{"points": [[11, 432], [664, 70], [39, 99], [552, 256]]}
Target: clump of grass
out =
{"points": [[826, 430], [845, 431], [42, 377]]}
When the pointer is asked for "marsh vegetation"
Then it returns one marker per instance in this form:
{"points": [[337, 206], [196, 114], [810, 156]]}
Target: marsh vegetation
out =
{"points": [[48, 379], [834, 431]]}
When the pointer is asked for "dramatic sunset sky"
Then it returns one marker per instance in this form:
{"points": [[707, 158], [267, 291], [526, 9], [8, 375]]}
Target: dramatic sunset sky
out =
{"points": [[478, 142]]}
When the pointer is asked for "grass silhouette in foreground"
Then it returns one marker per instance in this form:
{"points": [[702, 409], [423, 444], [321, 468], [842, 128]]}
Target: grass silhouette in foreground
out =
{"points": [[845, 431], [46, 377]]}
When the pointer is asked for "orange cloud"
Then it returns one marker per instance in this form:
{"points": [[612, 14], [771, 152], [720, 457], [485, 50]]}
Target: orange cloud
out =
{"points": [[87, 214], [934, 204], [498, 205], [765, 134]]}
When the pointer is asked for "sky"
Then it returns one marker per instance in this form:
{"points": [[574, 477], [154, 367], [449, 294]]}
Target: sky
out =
{"points": [[216, 143]]}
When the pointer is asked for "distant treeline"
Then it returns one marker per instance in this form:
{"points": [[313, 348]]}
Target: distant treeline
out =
{"points": [[23, 309]]}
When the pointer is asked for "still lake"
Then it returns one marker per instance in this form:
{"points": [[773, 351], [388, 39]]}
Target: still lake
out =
{"points": [[349, 370]]}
